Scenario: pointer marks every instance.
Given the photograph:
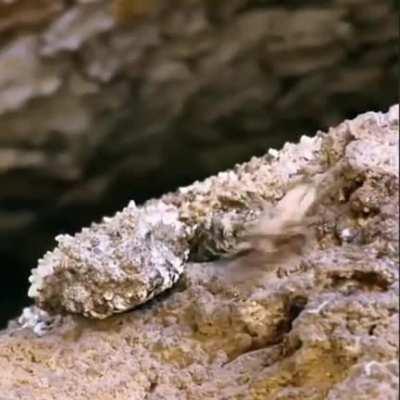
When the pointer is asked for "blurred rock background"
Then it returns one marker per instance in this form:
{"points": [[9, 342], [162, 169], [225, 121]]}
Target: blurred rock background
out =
{"points": [[106, 101]]}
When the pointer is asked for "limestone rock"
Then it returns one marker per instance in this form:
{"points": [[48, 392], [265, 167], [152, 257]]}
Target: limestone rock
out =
{"points": [[104, 101], [323, 325], [126, 260], [115, 265]]}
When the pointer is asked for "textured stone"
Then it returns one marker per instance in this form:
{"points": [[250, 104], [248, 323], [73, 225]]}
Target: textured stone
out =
{"points": [[115, 265], [321, 325], [113, 100], [23, 75], [21, 14]]}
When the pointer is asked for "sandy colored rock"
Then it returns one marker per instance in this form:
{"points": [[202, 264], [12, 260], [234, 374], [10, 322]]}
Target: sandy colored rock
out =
{"points": [[115, 265], [102, 101], [323, 325]]}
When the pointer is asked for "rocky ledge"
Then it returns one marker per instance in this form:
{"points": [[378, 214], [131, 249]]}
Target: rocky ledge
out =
{"points": [[315, 324]]}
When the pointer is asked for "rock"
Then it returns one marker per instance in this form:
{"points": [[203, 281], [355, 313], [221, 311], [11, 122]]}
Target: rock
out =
{"points": [[102, 102], [115, 265], [320, 325]]}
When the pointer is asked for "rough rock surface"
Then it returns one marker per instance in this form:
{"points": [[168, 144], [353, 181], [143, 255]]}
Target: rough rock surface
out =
{"points": [[320, 326], [115, 265], [103, 101]]}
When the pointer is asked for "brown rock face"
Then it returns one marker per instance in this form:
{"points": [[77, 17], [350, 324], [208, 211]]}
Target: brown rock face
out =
{"points": [[322, 325]]}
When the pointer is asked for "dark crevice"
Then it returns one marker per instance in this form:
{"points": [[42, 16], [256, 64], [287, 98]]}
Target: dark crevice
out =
{"points": [[359, 280], [371, 280], [294, 307], [153, 386], [371, 329]]}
